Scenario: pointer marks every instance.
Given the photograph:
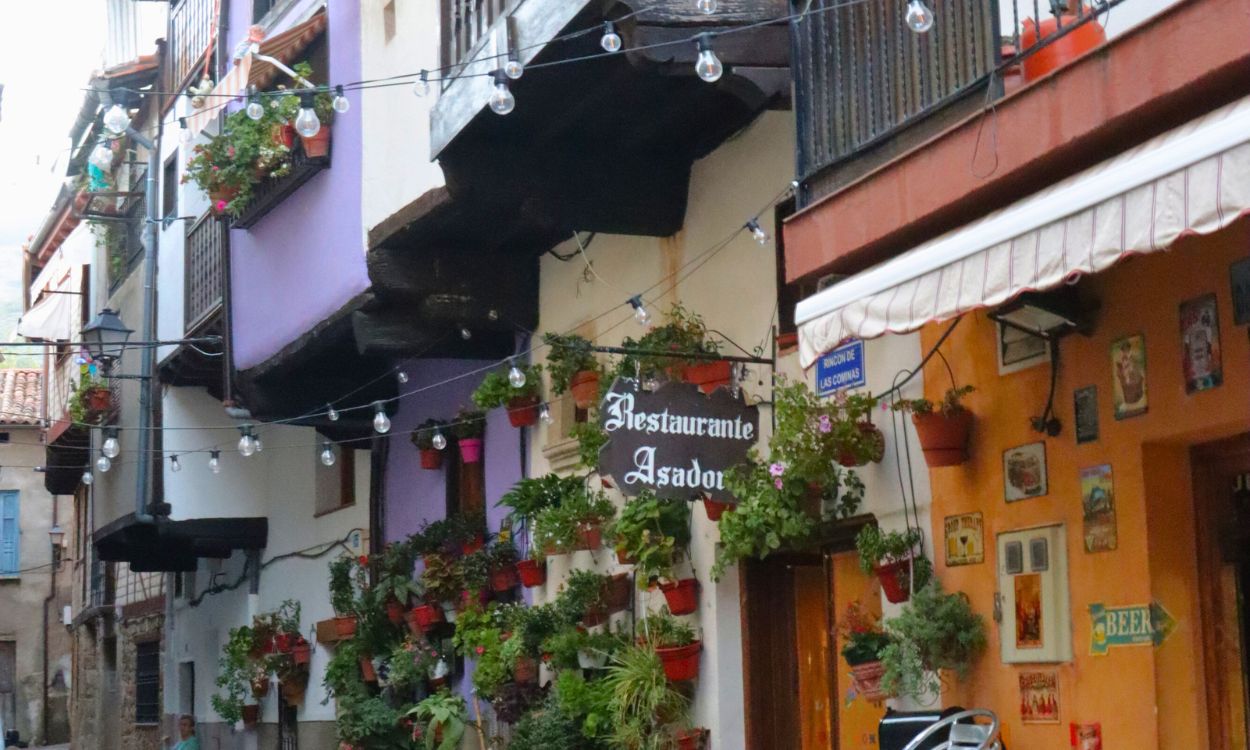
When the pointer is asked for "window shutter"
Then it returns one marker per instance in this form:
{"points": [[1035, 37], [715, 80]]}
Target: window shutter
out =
{"points": [[8, 533]]}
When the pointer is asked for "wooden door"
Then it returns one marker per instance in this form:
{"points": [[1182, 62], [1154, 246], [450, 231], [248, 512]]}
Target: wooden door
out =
{"points": [[8, 684], [770, 662]]}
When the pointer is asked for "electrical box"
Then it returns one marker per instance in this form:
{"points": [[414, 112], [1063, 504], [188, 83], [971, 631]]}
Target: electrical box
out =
{"points": [[1036, 624]]}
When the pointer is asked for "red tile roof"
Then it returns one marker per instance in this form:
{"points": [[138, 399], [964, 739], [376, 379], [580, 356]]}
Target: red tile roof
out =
{"points": [[21, 396]]}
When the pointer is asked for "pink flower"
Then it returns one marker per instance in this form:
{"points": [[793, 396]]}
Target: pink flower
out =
{"points": [[777, 482], [480, 650], [230, 152], [216, 168], [221, 206], [826, 425], [777, 469]]}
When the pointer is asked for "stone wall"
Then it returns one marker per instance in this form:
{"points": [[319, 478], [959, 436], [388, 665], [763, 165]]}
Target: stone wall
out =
{"points": [[129, 633], [85, 693]]}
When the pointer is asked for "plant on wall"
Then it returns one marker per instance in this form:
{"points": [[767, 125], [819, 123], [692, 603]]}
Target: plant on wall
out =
{"points": [[682, 332], [576, 523], [893, 556], [573, 367], [237, 670], [935, 632], [423, 438], [496, 390], [651, 532], [441, 719], [767, 518], [645, 709], [942, 428], [812, 434]]}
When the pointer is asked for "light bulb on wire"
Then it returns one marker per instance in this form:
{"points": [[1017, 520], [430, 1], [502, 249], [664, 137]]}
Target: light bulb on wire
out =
{"points": [[260, 446], [402, 377], [174, 464], [214, 461], [465, 333], [513, 67], [255, 109], [919, 17], [307, 124], [640, 311], [247, 444], [88, 478], [111, 447], [502, 101], [116, 119], [516, 376], [327, 454], [381, 422], [439, 441], [706, 7], [757, 231], [101, 157], [421, 86], [103, 463], [332, 413], [610, 41], [184, 133], [340, 102], [709, 66], [544, 414]]}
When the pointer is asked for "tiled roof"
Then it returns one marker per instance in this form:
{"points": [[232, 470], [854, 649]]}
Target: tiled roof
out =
{"points": [[21, 396]]}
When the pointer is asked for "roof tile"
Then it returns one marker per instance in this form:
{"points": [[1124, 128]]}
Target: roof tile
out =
{"points": [[21, 396]]}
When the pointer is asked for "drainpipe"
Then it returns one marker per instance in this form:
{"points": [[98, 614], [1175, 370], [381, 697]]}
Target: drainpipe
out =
{"points": [[56, 563]]}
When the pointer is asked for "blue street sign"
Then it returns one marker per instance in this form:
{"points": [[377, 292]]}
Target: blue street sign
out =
{"points": [[841, 368]]}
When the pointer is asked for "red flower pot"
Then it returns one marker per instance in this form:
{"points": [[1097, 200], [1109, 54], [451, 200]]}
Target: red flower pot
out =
{"points": [[503, 579], [623, 556], [944, 438], [284, 135], [431, 459], [895, 580], [682, 596], [618, 592], [709, 375], [523, 412], [589, 536], [471, 450], [394, 611], [715, 509], [467, 597], [681, 662], [319, 144], [584, 386], [282, 643], [99, 400], [532, 573], [1061, 51], [367, 672], [345, 626], [421, 619], [251, 714], [473, 545], [867, 679], [301, 652], [525, 670], [691, 739]]}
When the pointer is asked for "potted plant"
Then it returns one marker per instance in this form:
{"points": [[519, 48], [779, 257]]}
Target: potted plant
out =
{"points": [[475, 577], [423, 439], [583, 597], [442, 718], [864, 640], [682, 596], [715, 508], [683, 332], [694, 738], [644, 709], [496, 390], [343, 596], [443, 581], [91, 400], [893, 558], [468, 429], [675, 643], [317, 145], [503, 567], [572, 365], [469, 530], [768, 517], [943, 428], [236, 672], [573, 647], [650, 532], [934, 633]]}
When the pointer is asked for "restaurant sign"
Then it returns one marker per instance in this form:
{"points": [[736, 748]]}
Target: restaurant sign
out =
{"points": [[1132, 625], [674, 440]]}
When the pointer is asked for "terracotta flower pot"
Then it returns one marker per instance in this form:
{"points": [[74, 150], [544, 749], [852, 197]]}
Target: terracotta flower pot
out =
{"points": [[282, 642], [709, 375], [251, 714], [293, 692], [99, 400], [584, 385], [523, 412], [867, 679], [944, 438], [367, 672], [589, 536], [345, 626], [873, 438], [472, 545], [895, 581], [682, 596], [525, 670], [471, 450], [302, 652], [532, 573], [1061, 51], [284, 135], [681, 662], [394, 611], [691, 739], [260, 687], [421, 619], [503, 579], [431, 459], [318, 145], [618, 593], [716, 509]]}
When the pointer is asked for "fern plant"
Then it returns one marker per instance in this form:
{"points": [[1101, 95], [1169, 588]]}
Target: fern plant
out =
{"points": [[935, 632]]}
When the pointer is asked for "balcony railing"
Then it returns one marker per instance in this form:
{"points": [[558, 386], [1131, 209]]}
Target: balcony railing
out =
{"points": [[191, 23], [466, 24], [862, 75], [205, 270]]}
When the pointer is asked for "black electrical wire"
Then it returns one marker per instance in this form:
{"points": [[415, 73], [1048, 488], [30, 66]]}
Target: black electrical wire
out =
{"points": [[308, 553]]}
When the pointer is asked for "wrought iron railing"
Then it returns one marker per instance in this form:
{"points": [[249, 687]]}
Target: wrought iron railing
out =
{"points": [[191, 25], [466, 23], [861, 75], [204, 270]]}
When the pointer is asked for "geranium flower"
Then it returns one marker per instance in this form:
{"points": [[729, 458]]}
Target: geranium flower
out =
{"points": [[777, 483], [777, 469], [826, 424], [221, 206], [480, 650], [363, 559]]}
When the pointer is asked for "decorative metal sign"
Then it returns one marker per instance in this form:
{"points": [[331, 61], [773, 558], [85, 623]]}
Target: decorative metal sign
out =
{"points": [[1134, 625], [674, 440]]}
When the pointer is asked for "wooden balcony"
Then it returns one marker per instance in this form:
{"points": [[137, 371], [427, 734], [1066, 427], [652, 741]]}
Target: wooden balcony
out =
{"points": [[205, 279], [273, 190], [190, 33]]}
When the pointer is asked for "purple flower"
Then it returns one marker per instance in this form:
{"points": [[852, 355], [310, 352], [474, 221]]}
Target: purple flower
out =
{"points": [[777, 469], [826, 425], [777, 482]]}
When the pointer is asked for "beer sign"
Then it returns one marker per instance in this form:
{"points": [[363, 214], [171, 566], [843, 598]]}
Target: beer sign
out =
{"points": [[674, 440]]}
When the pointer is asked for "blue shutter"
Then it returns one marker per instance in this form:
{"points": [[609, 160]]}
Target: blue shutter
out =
{"points": [[8, 533]]}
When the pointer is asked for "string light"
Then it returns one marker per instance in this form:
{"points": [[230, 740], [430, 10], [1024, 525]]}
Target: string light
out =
{"points": [[544, 414], [438, 441], [88, 478], [103, 464], [466, 334], [381, 422], [516, 377], [402, 377], [340, 103], [706, 7], [255, 109], [184, 133], [101, 157], [260, 446], [640, 311], [247, 444], [174, 464], [610, 41], [214, 461], [502, 101], [111, 447], [422, 85], [919, 17], [327, 454], [757, 231], [709, 66], [307, 124], [116, 119], [513, 67], [332, 413]]}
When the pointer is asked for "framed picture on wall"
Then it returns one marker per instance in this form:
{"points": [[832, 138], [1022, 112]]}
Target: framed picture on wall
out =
{"points": [[1024, 472], [1128, 379], [1200, 344], [1085, 408]]}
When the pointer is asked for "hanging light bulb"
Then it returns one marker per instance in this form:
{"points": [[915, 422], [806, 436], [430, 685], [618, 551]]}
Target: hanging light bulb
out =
{"points": [[757, 231], [381, 422], [466, 334], [88, 478], [214, 461], [307, 124], [422, 85], [706, 7], [111, 447], [116, 119], [402, 377], [516, 376], [332, 413], [255, 109], [438, 441], [708, 66], [174, 464], [327, 454], [501, 99], [247, 444], [103, 463], [640, 312], [340, 102], [101, 157], [610, 41], [513, 67], [544, 414], [184, 133], [260, 446], [919, 17]]}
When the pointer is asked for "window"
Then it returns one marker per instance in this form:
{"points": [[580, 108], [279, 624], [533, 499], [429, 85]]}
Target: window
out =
{"points": [[4, 437], [10, 534], [148, 682], [337, 486], [388, 21], [186, 687], [260, 8], [169, 188]]}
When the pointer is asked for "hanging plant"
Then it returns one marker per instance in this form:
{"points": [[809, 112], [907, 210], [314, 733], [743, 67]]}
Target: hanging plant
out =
{"points": [[497, 390], [423, 439], [674, 642], [683, 332], [864, 639], [934, 633], [769, 515], [650, 533], [469, 427], [943, 428], [573, 367], [893, 557]]}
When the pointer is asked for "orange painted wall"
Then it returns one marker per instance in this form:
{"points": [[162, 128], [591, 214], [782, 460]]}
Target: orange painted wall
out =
{"points": [[858, 719], [1144, 697]]}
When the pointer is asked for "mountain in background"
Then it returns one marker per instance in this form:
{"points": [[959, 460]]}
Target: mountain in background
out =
{"points": [[11, 307]]}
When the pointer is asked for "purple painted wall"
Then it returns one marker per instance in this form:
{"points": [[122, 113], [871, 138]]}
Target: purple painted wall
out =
{"points": [[305, 259]]}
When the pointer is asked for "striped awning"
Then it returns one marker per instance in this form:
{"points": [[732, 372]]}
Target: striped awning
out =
{"points": [[1194, 179]]}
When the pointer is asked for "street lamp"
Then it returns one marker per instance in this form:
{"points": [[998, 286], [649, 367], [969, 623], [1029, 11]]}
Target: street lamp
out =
{"points": [[105, 337], [56, 535]]}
